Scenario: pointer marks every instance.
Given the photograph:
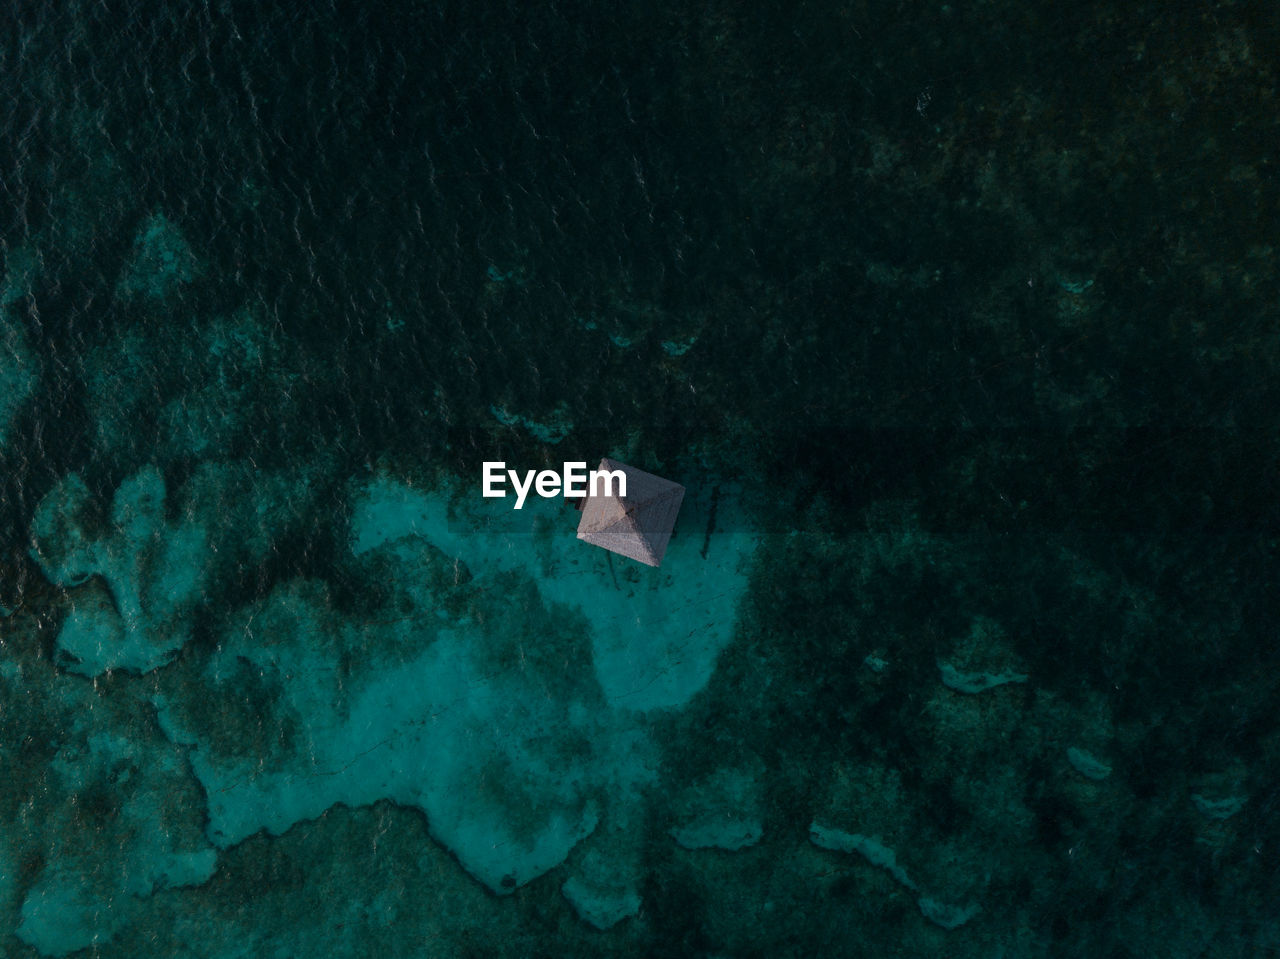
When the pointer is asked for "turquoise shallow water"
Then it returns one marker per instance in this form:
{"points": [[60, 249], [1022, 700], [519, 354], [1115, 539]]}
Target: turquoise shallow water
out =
{"points": [[958, 325]]}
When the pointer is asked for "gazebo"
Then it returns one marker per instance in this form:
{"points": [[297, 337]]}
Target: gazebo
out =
{"points": [[638, 525]]}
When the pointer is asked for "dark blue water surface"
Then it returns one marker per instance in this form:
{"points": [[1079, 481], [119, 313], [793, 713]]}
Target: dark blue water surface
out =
{"points": [[959, 324]]}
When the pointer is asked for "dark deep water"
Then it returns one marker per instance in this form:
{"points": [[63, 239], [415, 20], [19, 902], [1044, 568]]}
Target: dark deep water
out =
{"points": [[959, 322]]}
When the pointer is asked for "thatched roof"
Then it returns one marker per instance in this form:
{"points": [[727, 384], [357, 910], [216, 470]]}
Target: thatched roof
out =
{"points": [[638, 525]]}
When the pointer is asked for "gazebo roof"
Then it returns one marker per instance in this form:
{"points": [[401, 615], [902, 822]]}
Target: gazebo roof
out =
{"points": [[638, 525]]}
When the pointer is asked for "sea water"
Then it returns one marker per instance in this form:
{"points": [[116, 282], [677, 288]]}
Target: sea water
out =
{"points": [[956, 323]]}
